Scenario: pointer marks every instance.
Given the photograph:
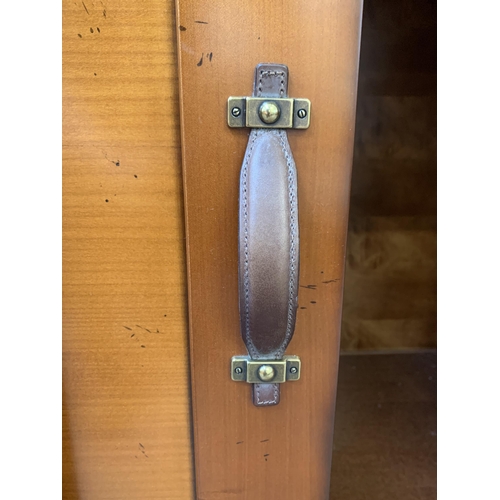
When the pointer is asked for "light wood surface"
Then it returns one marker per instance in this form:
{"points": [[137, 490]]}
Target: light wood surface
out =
{"points": [[126, 418], [281, 452], [385, 442]]}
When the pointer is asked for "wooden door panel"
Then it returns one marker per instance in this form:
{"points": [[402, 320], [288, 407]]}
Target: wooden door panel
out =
{"points": [[284, 451], [126, 419]]}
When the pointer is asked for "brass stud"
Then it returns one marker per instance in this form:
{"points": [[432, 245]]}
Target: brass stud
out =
{"points": [[236, 111], [266, 373], [301, 113], [269, 112]]}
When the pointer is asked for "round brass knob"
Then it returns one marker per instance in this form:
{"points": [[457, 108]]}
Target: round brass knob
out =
{"points": [[266, 373], [269, 112]]}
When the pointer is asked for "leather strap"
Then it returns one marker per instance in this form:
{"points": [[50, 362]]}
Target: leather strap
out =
{"points": [[268, 238]]}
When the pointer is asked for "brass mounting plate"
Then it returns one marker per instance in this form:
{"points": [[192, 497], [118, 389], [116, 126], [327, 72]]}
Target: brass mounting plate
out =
{"points": [[245, 369], [244, 112]]}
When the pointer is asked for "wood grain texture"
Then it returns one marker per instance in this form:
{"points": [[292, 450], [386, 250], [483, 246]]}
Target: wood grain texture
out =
{"points": [[126, 431], [281, 452], [390, 284]]}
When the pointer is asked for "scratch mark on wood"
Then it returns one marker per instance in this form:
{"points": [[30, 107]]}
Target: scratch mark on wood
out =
{"points": [[264, 440], [201, 22], [200, 62], [85, 7], [117, 162], [331, 281], [182, 28], [310, 287], [127, 328]]}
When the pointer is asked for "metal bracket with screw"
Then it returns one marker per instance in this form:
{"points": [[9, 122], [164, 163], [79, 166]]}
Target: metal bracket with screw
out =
{"points": [[245, 369], [265, 112]]}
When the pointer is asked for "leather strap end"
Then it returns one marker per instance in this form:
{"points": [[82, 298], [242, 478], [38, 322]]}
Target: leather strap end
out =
{"points": [[266, 394]]}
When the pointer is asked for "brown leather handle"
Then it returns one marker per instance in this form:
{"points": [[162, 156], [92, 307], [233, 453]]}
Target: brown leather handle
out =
{"points": [[268, 238]]}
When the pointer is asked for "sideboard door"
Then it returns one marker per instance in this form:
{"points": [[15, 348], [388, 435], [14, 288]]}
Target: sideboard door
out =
{"points": [[243, 450]]}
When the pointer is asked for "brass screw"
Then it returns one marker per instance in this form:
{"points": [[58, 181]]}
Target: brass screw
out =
{"points": [[301, 113], [293, 369], [236, 112], [238, 370], [266, 373], [269, 112]]}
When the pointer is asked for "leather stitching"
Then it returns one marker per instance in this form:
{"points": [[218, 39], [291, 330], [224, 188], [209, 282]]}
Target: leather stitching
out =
{"points": [[292, 197], [263, 402], [292, 286], [246, 275], [269, 73]]}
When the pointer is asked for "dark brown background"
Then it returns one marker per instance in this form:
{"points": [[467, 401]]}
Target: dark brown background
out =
{"points": [[385, 423], [390, 281]]}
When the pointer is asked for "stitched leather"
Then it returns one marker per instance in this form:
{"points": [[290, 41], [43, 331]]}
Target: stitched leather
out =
{"points": [[268, 244], [268, 238], [271, 80], [266, 394]]}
